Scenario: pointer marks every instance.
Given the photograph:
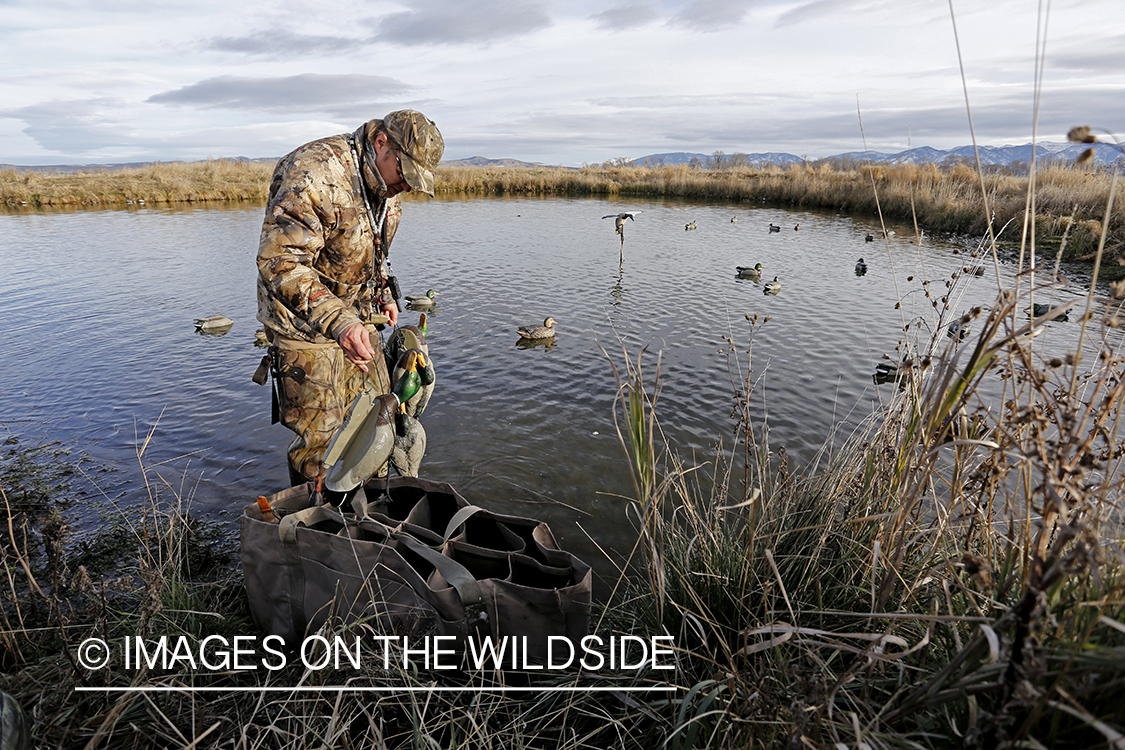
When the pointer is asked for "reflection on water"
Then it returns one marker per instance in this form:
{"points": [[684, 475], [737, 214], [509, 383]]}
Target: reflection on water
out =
{"points": [[101, 348]]}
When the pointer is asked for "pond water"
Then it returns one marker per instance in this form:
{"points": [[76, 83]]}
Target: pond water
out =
{"points": [[100, 347]]}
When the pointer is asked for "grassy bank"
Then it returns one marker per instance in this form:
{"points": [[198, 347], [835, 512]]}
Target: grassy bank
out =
{"points": [[1069, 201]]}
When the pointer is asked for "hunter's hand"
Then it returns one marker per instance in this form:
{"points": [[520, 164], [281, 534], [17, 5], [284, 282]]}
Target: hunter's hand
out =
{"points": [[391, 311], [357, 345]]}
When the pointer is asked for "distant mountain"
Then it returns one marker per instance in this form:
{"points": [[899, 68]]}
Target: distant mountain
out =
{"points": [[1104, 153], [684, 157], [480, 161]]}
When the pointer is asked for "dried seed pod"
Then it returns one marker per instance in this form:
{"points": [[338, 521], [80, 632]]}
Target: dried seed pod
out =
{"points": [[1081, 134]]}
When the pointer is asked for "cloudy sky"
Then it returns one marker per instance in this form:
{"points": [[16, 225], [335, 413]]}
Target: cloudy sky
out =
{"points": [[556, 81]]}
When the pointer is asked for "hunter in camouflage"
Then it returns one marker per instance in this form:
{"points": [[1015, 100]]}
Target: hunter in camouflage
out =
{"points": [[322, 283]]}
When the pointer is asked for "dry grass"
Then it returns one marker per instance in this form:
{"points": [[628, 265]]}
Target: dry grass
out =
{"points": [[169, 182]]}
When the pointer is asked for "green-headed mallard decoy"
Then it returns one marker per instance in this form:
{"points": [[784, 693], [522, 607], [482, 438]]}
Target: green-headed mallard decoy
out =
{"points": [[619, 221], [423, 302], [774, 227], [213, 324], [545, 331], [773, 287], [412, 377], [746, 272], [1038, 311], [860, 267]]}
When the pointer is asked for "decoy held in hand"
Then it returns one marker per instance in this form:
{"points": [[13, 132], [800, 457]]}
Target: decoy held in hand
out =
{"points": [[423, 302], [746, 272], [545, 331], [773, 287]]}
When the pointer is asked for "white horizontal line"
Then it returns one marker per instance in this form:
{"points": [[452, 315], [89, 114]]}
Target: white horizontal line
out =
{"points": [[346, 689]]}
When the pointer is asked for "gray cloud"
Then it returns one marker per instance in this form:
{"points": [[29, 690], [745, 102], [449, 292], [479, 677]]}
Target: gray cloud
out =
{"points": [[624, 16], [74, 125], [1107, 57], [459, 22], [283, 44], [712, 15], [299, 93]]}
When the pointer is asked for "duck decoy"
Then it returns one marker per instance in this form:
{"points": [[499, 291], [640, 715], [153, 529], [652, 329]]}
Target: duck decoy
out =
{"points": [[1038, 311], [545, 331], [690, 225], [774, 228], [213, 324], [869, 238], [413, 378], [747, 272], [773, 287], [423, 302], [797, 228], [860, 267], [734, 220], [260, 338], [406, 455], [619, 221], [957, 330]]}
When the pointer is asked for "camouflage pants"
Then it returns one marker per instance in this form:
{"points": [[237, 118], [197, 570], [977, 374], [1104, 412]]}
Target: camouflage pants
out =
{"points": [[314, 406]]}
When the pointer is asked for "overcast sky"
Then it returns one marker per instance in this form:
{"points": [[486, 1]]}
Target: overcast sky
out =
{"points": [[556, 81]]}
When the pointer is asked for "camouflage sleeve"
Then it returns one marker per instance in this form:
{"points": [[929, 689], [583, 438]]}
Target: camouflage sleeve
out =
{"points": [[293, 235]]}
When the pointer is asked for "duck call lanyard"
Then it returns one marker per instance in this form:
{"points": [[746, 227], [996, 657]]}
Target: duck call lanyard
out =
{"points": [[376, 222]]}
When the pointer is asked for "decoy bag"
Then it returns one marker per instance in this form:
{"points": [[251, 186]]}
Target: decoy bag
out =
{"points": [[413, 558]]}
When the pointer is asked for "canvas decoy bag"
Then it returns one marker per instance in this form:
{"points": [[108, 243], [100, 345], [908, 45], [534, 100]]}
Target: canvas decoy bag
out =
{"points": [[413, 558]]}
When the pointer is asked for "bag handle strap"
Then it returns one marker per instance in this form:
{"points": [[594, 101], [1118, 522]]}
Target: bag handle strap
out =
{"points": [[464, 582], [459, 518], [287, 530]]}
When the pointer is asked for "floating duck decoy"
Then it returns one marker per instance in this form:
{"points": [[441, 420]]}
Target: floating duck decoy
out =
{"points": [[773, 287], [747, 272], [425, 302], [1039, 311], [545, 331], [774, 228], [869, 238], [978, 271], [957, 330], [213, 324], [860, 267], [619, 221], [734, 220], [690, 225], [797, 228]]}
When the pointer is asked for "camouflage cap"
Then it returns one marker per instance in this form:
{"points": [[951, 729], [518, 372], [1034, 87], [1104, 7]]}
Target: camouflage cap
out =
{"points": [[417, 138]]}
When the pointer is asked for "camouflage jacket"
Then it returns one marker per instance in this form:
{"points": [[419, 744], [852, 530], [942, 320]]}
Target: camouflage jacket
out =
{"points": [[318, 248]]}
